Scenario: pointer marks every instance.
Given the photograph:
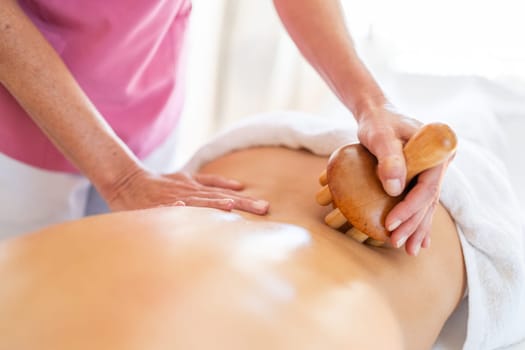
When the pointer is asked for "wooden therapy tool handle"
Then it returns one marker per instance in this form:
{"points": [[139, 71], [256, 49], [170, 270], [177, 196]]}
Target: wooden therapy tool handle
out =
{"points": [[352, 186], [430, 146]]}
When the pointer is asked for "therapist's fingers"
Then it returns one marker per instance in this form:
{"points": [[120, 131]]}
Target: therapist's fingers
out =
{"points": [[148, 190], [259, 207], [240, 202], [391, 168], [214, 191], [416, 240], [415, 232], [407, 228], [387, 146], [426, 242], [226, 204], [411, 213], [383, 142], [384, 135], [425, 193]]}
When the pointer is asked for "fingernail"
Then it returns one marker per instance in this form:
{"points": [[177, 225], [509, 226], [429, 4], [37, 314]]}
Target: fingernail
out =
{"points": [[416, 249], [426, 242], [261, 205], [179, 204], [394, 225], [393, 187], [401, 242]]}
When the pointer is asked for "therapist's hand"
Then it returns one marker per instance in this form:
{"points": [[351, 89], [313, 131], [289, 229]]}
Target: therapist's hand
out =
{"points": [[142, 189], [384, 132]]}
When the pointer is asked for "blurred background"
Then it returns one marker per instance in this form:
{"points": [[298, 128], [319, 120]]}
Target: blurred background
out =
{"points": [[434, 59]]}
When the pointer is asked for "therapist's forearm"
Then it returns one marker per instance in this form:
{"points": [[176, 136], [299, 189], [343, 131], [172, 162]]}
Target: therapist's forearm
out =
{"points": [[318, 29], [35, 75]]}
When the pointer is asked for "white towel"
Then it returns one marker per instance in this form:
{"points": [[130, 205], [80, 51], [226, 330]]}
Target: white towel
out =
{"points": [[476, 192]]}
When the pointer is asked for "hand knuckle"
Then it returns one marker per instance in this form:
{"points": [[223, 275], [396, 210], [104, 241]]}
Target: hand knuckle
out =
{"points": [[378, 136]]}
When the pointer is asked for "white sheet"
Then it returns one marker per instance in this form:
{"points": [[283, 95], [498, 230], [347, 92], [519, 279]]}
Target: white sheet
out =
{"points": [[476, 192]]}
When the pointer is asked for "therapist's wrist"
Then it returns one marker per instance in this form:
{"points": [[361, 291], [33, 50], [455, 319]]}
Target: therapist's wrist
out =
{"points": [[111, 175], [118, 189], [368, 106]]}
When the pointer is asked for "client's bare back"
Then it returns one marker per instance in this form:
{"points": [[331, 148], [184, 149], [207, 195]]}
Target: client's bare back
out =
{"points": [[199, 278]]}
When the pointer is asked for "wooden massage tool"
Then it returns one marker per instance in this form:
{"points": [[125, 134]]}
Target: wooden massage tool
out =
{"points": [[351, 184]]}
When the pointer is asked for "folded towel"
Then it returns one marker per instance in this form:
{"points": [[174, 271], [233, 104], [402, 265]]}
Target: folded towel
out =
{"points": [[476, 191]]}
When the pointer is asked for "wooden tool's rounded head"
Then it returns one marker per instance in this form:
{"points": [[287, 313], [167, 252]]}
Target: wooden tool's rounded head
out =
{"points": [[357, 191], [352, 184]]}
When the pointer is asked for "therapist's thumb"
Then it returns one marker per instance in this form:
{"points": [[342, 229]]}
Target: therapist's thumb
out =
{"points": [[391, 168], [391, 171]]}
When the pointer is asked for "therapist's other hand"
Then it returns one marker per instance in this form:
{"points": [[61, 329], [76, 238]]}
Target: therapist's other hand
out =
{"points": [[384, 132], [142, 189]]}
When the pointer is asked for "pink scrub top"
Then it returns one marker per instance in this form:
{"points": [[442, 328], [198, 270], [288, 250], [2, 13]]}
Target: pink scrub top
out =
{"points": [[128, 58]]}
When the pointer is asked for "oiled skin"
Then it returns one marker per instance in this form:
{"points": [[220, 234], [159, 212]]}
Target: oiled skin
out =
{"points": [[179, 278]]}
